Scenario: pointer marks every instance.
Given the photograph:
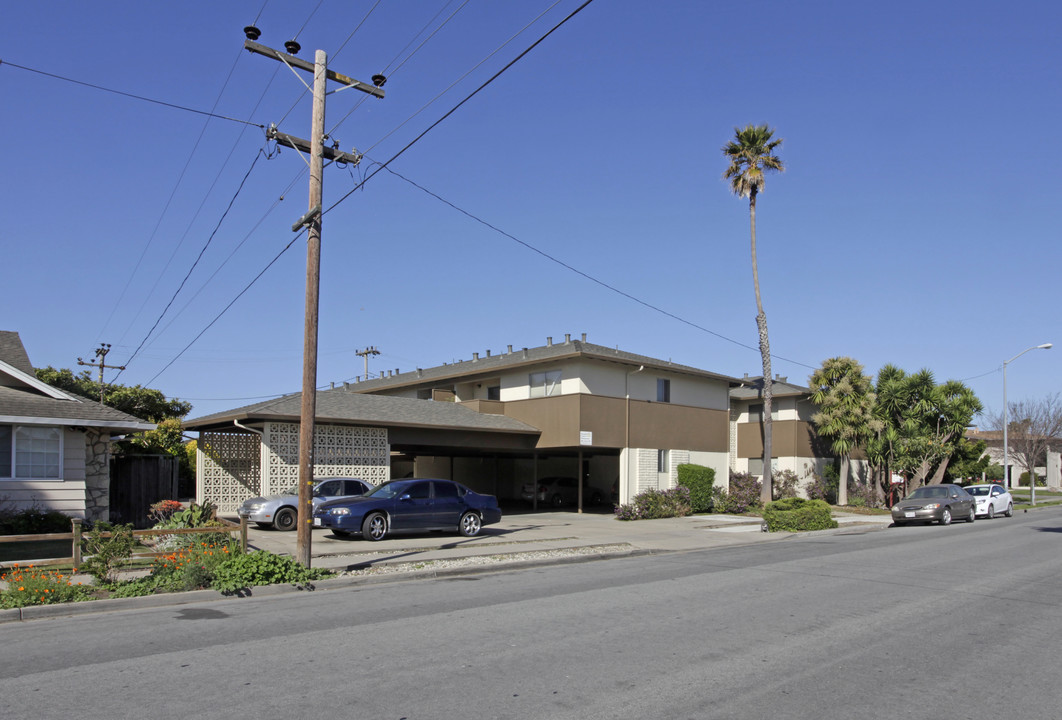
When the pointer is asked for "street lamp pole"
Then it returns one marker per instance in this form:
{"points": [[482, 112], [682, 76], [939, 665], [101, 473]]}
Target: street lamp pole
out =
{"points": [[1006, 457]]}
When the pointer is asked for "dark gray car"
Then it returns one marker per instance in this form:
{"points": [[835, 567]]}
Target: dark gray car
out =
{"points": [[935, 503]]}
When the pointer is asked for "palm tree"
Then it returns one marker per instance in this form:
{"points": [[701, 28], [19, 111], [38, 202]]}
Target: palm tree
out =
{"points": [[751, 154], [845, 399]]}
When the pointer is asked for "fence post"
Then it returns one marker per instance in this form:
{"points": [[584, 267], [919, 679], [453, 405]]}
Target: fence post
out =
{"points": [[76, 552], [243, 533]]}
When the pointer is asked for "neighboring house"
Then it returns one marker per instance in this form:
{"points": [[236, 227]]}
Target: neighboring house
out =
{"points": [[54, 446], [993, 440], [794, 443], [623, 421]]}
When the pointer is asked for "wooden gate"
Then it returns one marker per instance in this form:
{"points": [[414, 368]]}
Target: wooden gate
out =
{"points": [[137, 483]]}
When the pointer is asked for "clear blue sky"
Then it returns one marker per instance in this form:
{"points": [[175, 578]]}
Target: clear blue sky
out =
{"points": [[918, 222]]}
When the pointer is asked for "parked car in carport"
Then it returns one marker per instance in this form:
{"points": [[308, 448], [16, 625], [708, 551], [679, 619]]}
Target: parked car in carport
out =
{"points": [[281, 511], [935, 503], [992, 500], [559, 491], [413, 505]]}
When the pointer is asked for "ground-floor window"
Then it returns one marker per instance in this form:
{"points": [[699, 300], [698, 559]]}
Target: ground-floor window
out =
{"points": [[31, 453]]}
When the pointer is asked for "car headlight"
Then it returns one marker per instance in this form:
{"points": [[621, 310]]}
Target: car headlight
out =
{"points": [[339, 511], [931, 506], [253, 507]]}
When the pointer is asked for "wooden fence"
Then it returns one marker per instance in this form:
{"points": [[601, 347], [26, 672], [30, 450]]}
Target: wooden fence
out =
{"points": [[139, 481], [76, 535]]}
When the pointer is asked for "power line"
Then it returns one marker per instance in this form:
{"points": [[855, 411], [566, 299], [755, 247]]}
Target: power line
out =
{"points": [[131, 95], [468, 97]]}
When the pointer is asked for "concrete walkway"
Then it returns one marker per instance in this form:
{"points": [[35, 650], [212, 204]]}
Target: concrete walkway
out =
{"points": [[530, 534]]}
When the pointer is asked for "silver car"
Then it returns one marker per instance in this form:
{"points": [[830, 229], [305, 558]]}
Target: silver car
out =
{"points": [[281, 511], [935, 503]]}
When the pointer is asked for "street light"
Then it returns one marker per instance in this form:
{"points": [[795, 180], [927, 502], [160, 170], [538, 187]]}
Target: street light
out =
{"points": [[1006, 467]]}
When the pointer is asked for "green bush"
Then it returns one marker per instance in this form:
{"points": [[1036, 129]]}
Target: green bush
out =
{"points": [[798, 515], [700, 481], [654, 504], [105, 555], [784, 485], [33, 521], [744, 493], [261, 568]]}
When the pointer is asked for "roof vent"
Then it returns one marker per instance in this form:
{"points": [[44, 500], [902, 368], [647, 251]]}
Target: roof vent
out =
{"points": [[488, 353], [510, 349], [584, 337], [549, 341], [567, 338], [475, 356]]}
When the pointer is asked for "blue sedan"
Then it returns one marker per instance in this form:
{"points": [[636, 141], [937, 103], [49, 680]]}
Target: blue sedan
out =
{"points": [[412, 505]]}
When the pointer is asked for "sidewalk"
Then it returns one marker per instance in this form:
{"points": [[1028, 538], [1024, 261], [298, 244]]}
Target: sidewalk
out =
{"points": [[529, 535]]}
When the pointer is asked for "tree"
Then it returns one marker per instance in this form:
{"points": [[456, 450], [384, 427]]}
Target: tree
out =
{"points": [[845, 417], [138, 401], [1035, 426], [751, 155], [924, 423]]}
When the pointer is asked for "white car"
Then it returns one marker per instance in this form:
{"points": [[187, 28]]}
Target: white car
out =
{"points": [[992, 500]]}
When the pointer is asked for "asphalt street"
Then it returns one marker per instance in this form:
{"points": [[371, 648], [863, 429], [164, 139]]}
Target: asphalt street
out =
{"points": [[958, 621]]}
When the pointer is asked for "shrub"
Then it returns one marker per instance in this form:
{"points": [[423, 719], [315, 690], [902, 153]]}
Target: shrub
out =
{"points": [[33, 521], [192, 567], [1040, 480], [700, 481], [653, 504], [163, 510], [105, 555], [261, 568], [785, 485], [744, 493], [37, 586], [820, 488], [860, 495], [798, 515], [194, 516]]}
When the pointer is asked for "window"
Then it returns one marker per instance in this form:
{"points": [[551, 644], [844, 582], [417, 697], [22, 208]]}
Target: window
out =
{"points": [[544, 384], [494, 392], [756, 466], [663, 390], [662, 465], [445, 489], [31, 452]]}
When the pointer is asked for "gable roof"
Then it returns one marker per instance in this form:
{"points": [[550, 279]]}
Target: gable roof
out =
{"points": [[343, 407], [568, 350], [25, 400]]}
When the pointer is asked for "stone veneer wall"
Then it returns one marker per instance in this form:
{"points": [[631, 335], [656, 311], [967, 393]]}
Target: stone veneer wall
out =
{"points": [[97, 474]]}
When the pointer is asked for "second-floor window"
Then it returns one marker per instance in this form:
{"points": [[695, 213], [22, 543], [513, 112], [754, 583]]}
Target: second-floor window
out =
{"points": [[663, 390], [544, 384], [756, 412]]}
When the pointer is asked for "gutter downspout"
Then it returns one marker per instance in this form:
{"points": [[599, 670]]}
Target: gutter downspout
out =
{"points": [[627, 440], [259, 433]]}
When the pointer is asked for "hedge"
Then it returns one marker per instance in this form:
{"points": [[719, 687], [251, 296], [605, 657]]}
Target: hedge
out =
{"points": [[798, 515]]}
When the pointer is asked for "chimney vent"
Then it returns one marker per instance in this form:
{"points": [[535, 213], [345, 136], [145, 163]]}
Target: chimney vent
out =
{"points": [[510, 349], [549, 341], [475, 356], [567, 338], [488, 353], [584, 337]]}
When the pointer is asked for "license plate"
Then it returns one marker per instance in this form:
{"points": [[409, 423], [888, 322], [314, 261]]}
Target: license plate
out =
{"points": [[317, 522], [908, 514]]}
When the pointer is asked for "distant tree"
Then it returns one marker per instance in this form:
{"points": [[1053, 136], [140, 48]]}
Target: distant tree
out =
{"points": [[138, 401], [845, 418], [1034, 427], [751, 155], [968, 461]]}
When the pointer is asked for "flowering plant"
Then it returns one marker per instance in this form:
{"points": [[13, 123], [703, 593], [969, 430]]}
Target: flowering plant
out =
{"points": [[38, 586], [164, 509]]}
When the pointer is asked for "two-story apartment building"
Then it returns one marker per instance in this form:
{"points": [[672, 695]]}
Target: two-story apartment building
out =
{"points": [[622, 422]]}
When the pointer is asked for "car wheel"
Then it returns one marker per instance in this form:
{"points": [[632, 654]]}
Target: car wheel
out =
{"points": [[285, 519], [945, 517], [470, 524], [374, 527], [991, 511], [556, 500], [1010, 510], [972, 516]]}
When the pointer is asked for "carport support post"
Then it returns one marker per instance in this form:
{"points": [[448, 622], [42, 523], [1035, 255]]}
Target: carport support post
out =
{"points": [[313, 283]]}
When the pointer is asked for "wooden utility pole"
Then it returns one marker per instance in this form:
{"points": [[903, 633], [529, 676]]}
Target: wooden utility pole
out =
{"points": [[312, 221], [365, 354], [101, 353]]}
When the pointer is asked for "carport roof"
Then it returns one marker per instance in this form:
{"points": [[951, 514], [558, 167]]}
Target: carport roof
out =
{"points": [[342, 407]]}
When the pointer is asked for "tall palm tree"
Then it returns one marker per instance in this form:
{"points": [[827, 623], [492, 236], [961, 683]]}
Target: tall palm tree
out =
{"points": [[751, 154]]}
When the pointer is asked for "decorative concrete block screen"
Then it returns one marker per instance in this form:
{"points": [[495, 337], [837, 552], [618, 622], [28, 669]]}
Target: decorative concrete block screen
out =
{"points": [[228, 469], [339, 451]]}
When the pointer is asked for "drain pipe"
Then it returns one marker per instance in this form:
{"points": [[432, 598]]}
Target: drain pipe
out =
{"points": [[259, 433]]}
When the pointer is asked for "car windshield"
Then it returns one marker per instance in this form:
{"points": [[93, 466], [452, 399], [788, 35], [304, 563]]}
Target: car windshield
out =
{"points": [[978, 490], [388, 490], [929, 492]]}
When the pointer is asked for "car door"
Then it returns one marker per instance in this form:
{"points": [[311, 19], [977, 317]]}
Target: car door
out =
{"points": [[412, 509], [995, 499], [447, 504]]}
